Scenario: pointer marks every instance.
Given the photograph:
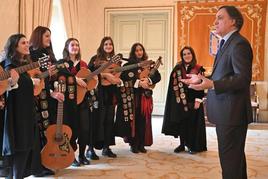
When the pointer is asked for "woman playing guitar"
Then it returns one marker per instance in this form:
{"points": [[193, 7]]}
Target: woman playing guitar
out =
{"points": [[74, 63], [140, 131], [20, 123], [40, 46], [106, 99]]}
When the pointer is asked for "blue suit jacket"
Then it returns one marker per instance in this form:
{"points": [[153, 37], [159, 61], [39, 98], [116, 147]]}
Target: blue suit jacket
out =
{"points": [[229, 102]]}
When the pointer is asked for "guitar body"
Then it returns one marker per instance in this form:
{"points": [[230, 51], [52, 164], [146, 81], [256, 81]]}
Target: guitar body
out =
{"points": [[91, 84], [145, 74], [37, 88], [3, 84], [105, 82], [57, 154]]}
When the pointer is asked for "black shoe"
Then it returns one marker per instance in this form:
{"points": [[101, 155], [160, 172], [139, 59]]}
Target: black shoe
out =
{"points": [[76, 163], [92, 155], [134, 149], [142, 149], [83, 160], [45, 172], [191, 152], [179, 149], [108, 152]]}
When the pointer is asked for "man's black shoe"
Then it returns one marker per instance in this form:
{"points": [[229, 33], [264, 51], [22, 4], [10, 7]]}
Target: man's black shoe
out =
{"points": [[108, 152], [179, 149]]}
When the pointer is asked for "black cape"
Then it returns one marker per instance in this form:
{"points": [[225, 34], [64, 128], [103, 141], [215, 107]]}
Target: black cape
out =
{"points": [[177, 122]]}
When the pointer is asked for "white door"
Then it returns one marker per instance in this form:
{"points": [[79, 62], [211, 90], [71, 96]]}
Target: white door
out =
{"points": [[153, 30]]}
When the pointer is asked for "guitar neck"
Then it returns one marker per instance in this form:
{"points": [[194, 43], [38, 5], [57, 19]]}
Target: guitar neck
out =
{"points": [[6, 74], [45, 74], [157, 65], [98, 71], [125, 68], [59, 119]]}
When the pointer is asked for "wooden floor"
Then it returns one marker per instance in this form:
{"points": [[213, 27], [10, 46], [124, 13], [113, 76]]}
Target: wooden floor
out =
{"points": [[161, 163]]}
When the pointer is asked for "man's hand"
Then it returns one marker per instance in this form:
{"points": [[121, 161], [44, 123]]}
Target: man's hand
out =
{"points": [[192, 79], [198, 82]]}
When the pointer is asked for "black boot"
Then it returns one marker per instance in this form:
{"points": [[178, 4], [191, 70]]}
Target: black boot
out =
{"points": [[83, 160], [181, 147], [142, 149], [134, 149], [76, 163], [108, 152], [92, 154]]}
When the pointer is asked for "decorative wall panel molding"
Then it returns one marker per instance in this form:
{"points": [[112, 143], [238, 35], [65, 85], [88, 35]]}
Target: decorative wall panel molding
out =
{"points": [[195, 22]]}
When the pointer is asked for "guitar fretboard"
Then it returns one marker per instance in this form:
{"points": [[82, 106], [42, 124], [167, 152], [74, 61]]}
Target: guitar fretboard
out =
{"points": [[6, 74], [59, 119], [128, 67], [157, 64], [102, 67]]}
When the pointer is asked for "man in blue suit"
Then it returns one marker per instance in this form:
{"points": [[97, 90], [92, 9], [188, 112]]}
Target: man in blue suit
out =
{"points": [[228, 98]]}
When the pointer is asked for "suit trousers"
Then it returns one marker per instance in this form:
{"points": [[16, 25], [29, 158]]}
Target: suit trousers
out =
{"points": [[231, 144]]}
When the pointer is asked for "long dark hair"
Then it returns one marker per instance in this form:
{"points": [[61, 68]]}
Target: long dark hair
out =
{"points": [[65, 52], [133, 49], [101, 54], [193, 62], [11, 52], [36, 41]]}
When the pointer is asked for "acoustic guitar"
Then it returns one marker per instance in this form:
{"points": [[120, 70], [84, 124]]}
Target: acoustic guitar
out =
{"points": [[4, 75], [149, 72], [116, 70], [88, 77], [36, 73], [58, 153]]}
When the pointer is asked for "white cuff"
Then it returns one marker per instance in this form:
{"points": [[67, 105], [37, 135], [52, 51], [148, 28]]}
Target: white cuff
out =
{"points": [[136, 85], [198, 100], [121, 83], [9, 88], [150, 81]]}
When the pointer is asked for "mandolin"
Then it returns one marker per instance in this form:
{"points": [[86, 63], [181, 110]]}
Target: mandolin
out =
{"points": [[4, 75], [88, 77], [58, 153], [149, 72]]}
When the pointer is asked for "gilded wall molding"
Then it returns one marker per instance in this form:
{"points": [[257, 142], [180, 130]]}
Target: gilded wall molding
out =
{"points": [[253, 11]]}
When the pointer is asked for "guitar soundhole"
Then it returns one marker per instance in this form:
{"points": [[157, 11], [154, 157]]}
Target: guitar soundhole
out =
{"points": [[58, 138]]}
